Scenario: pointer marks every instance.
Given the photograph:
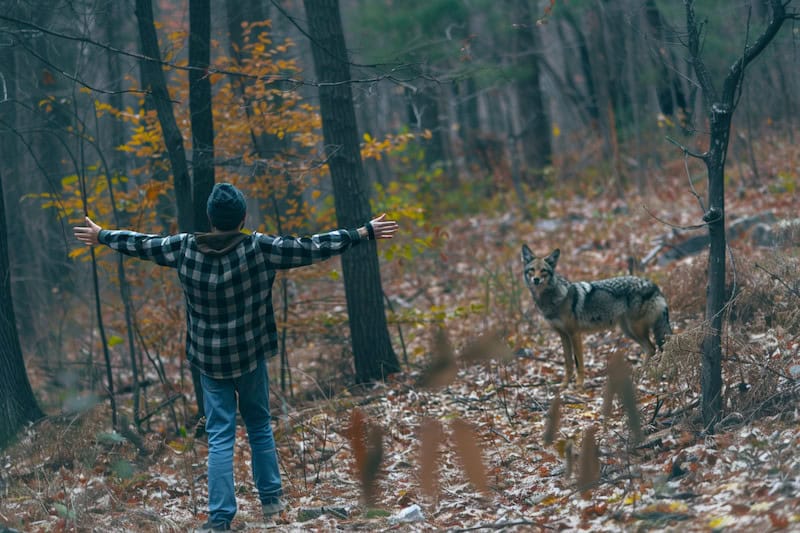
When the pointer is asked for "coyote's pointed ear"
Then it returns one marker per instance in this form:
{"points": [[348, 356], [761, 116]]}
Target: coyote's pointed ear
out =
{"points": [[527, 255], [552, 259]]}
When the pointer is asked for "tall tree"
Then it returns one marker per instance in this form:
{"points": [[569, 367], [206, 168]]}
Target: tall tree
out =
{"points": [[535, 133], [579, 42], [428, 37], [200, 108], [424, 114], [239, 12], [155, 83], [17, 403], [267, 146], [33, 160], [720, 106], [13, 171], [372, 348], [669, 91], [109, 19]]}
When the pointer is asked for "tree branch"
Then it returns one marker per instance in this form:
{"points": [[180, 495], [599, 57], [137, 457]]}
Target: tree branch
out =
{"points": [[686, 150], [779, 16], [73, 78], [740, 83], [390, 76], [703, 76], [671, 225], [774, 276]]}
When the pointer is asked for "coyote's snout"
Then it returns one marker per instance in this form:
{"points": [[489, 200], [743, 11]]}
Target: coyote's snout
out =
{"points": [[634, 304]]}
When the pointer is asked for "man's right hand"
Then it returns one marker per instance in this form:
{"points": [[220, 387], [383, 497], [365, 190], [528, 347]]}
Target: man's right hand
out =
{"points": [[382, 228], [87, 234]]}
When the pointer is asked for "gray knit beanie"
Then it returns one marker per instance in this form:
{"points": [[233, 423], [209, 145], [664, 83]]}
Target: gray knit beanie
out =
{"points": [[226, 207]]}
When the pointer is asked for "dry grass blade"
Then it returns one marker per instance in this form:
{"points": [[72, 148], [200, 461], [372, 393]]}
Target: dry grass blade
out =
{"points": [[553, 421], [620, 385], [431, 438], [589, 464], [466, 444], [357, 436], [628, 399], [569, 456], [372, 464], [487, 346], [366, 441], [608, 396], [442, 370]]}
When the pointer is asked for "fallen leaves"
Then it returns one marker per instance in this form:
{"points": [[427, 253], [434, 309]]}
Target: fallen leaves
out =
{"points": [[478, 437]]}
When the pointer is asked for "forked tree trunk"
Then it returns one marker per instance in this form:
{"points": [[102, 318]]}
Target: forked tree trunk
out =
{"points": [[372, 349], [720, 108]]}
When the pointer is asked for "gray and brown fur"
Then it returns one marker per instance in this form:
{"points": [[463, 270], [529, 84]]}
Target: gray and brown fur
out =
{"points": [[634, 304]]}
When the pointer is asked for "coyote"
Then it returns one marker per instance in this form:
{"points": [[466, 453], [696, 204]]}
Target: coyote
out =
{"points": [[635, 304]]}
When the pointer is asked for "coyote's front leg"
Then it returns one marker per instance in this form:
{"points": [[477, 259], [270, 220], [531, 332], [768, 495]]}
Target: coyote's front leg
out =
{"points": [[577, 354], [566, 343]]}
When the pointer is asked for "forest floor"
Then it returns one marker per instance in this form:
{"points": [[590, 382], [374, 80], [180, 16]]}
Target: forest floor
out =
{"points": [[482, 447]]}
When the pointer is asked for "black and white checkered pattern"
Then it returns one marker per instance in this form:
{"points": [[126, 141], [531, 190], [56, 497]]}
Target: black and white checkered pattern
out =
{"points": [[230, 319]]}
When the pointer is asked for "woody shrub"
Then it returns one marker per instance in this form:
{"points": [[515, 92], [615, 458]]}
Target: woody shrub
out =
{"points": [[764, 325]]}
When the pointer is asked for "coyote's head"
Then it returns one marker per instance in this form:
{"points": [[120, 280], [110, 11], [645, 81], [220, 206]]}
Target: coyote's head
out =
{"points": [[539, 271]]}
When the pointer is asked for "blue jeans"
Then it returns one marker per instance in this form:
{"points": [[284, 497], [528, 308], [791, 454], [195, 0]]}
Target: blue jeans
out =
{"points": [[219, 399]]}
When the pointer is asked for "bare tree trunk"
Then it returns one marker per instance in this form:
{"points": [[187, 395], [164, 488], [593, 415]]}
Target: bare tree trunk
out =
{"points": [[631, 66], [13, 172], [423, 114], [116, 167], [200, 109], [17, 403], [535, 133], [790, 117], [110, 22], [720, 108], [468, 120], [711, 373], [372, 348], [609, 46], [154, 81], [266, 146], [456, 101], [238, 12], [669, 92], [585, 63], [31, 166]]}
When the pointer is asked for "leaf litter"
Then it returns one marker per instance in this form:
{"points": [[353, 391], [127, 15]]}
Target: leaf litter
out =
{"points": [[478, 434]]}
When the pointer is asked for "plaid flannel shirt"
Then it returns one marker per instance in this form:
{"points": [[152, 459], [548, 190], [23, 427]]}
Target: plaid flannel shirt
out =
{"points": [[230, 319]]}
